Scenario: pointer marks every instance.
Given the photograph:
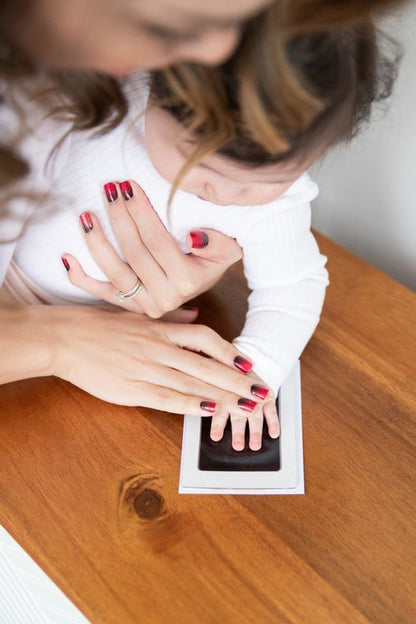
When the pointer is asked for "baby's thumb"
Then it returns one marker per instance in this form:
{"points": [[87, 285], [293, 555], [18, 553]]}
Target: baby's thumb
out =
{"points": [[215, 246]]}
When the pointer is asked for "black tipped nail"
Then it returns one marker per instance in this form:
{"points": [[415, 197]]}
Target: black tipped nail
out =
{"points": [[111, 192], [199, 240], [126, 190], [242, 364]]}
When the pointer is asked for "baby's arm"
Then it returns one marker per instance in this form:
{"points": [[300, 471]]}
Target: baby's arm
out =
{"points": [[279, 323], [286, 274]]}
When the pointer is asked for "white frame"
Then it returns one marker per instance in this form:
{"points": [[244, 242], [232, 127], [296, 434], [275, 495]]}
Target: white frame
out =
{"points": [[288, 480]]}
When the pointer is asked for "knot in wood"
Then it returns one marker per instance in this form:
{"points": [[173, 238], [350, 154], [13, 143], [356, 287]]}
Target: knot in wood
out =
{"points": [[149, 504]]}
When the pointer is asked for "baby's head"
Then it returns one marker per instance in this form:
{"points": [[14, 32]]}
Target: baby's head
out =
{"points": [[256, 139], [217, 177]]}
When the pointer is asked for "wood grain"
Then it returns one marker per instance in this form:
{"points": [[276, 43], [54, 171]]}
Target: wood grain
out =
{"points": [[90, 489]]}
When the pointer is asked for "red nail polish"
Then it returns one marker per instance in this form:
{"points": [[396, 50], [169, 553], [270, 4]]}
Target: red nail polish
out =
{"points": [[126, 190], [242, 364], [86, 222], [208, 406], [65, 263], [247, 405], [259, 391], [111, 191], [199, 240]]}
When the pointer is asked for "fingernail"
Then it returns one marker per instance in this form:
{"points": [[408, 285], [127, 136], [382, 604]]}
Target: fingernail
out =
{"points": [[242, 364], [259, 391], [208, 406], [190, 308], [111, 191], [199, 240], [65, 263], [255, 442], [126, 190], [238, 444], [86, 222], [216, 435], [247, 405]]}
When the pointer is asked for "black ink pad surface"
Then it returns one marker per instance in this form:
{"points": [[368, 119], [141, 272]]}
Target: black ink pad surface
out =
{"points": [[221, 456]]}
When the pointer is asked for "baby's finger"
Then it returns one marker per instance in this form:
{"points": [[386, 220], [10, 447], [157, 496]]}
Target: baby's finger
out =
{"points": [[255, 424], [272, 418], [218, 424], [238, 430]]}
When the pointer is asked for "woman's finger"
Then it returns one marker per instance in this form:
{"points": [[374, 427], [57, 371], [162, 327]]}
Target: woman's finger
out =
{"points": [[192, 386], [202, 339], [169, 275], [166, 399], [153, 233], [98, 289], [117, 356], [205, 340], [127, 233], [184, 314], [120, 274], [212, 372], [213, 246]]}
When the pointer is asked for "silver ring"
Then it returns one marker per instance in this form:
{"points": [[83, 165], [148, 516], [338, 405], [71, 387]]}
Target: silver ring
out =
{"points": [[123, 296]]}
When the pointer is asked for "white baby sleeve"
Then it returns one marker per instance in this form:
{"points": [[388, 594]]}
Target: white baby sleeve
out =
{"points": [[286, 273]]}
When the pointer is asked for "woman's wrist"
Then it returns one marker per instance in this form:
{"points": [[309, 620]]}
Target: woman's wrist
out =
{"points": [[28, 337]]}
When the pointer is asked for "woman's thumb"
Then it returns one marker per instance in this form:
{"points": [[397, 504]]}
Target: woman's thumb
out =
{"points": [[215, 246]]}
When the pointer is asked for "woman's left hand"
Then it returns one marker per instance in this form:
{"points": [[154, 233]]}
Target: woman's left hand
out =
{"points": [[168, 276]]}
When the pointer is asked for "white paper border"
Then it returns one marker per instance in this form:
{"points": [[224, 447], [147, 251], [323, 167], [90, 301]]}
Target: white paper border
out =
{"points": [[288, 480]]}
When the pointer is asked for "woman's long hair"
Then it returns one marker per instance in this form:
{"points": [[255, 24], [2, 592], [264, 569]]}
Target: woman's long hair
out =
{"points": [[93, 100]]}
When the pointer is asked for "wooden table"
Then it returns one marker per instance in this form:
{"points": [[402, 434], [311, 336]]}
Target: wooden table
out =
{"points": [[90, 490]]}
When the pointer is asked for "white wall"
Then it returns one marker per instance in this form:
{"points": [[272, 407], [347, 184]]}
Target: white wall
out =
{"points": [[367, 196]]}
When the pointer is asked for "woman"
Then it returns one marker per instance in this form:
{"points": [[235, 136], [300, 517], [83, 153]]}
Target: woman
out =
{"points": [[98, 349]]}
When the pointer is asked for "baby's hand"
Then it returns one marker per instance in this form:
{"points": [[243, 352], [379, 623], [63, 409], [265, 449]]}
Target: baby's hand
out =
{"points": [[265, 410]]}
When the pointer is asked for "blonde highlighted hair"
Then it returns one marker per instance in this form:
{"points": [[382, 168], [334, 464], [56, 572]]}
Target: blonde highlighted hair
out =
{"points": [[270, 109], [279, 97]]}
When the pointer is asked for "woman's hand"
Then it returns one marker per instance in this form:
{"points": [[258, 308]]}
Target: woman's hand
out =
{"points": [[169, 277], [266, 410], [126, 359]]}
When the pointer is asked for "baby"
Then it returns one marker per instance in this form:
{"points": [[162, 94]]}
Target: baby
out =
{"points": [[261, 199]]}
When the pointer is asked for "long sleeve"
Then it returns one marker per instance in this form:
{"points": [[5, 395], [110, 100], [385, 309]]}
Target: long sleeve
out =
{"points": [[34, 135], [279, 323], [286, 273]]}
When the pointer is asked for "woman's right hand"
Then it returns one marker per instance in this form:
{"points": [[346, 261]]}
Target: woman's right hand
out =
{"points": [[169, 277], [127, 359]]}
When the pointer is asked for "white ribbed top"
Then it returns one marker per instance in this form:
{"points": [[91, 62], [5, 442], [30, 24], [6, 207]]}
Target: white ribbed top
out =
{"points": [[282, 262]]}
